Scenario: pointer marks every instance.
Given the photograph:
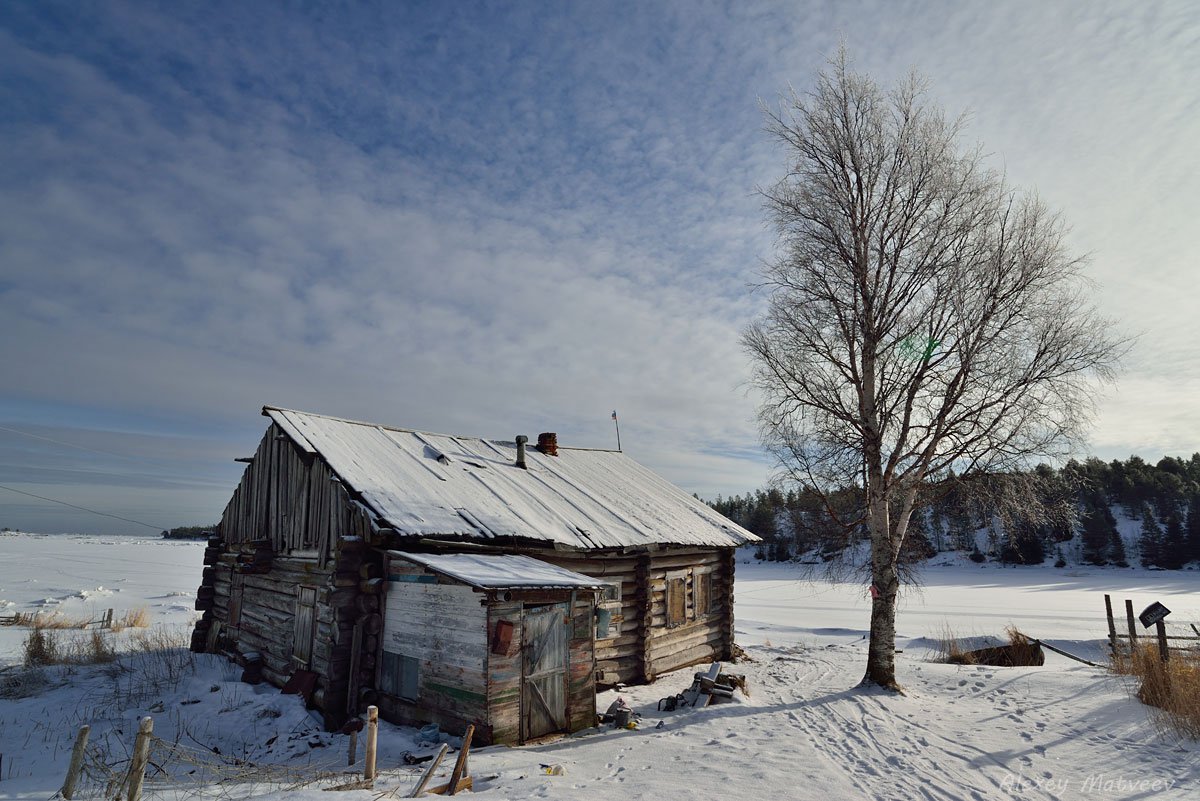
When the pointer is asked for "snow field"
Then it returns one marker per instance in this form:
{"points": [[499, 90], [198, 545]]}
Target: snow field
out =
{"points": [[1063, 731]]}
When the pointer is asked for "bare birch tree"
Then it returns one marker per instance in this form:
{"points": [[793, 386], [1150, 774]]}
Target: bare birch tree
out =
{"points": [[924, 316]]}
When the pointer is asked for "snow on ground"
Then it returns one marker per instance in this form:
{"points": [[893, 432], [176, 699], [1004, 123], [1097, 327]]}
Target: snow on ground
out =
{"points": [[1063, 731], [78, 576]]}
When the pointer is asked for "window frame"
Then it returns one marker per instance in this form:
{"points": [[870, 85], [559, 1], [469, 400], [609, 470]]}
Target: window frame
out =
{"points": [[680, 576], [702, 577]]}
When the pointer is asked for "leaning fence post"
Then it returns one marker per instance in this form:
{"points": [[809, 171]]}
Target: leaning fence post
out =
{"points": [[68, 788], [1133, 640], [1112, 626], [372, 735], [141, 754]]}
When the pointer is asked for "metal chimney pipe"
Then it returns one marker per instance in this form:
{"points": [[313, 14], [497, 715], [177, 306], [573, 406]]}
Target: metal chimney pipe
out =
{"points": [[521, 440]]}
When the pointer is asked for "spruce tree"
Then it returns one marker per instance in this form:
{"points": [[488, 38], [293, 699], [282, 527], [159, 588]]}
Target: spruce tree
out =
{"points": [[1193, 528], [1151, 539], [1174, 548], [1116, 549], [1096, 534]]}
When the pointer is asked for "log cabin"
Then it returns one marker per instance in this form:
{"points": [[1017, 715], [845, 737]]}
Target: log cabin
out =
{"points": [[459, 580]]}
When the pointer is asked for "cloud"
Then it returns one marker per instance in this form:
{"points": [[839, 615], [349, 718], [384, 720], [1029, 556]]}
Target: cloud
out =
{"points": [[492, 221]]}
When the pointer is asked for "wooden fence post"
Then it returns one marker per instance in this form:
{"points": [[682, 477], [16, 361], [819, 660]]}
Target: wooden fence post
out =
{"points": [[1133, 640], [372, 736], [352, 757], [1112, 626], [68, 788], [141, 754], [1161, 628]]}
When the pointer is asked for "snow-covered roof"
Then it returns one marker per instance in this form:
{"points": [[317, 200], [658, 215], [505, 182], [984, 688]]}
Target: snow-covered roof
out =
{"points": [[501, 571], [422, 484]]}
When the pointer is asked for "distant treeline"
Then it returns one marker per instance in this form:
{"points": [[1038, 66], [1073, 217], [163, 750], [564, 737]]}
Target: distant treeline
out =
{"points": [[189, 532], [1085, 498]]}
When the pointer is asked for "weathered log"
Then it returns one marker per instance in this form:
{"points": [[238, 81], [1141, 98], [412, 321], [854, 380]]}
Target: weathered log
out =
{"points": [[1024, 654]]}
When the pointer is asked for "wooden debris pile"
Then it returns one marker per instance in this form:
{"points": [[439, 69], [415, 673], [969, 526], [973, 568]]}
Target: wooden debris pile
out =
{"points": [[711, 686]]}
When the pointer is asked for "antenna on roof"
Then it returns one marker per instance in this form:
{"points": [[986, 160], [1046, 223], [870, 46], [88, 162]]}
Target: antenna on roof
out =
{"points": [[618, 425]]}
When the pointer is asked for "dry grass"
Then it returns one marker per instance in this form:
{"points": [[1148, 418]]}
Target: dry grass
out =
{"points": [[1173, 690], [133, 619], [950, 649], [47, 646]]}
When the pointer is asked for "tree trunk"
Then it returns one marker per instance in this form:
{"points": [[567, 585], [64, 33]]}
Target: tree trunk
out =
{"points": [[881, 650], [887, 536]]}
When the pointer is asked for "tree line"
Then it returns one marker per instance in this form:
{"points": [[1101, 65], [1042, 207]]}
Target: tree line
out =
{"points": [[1077, 508]]}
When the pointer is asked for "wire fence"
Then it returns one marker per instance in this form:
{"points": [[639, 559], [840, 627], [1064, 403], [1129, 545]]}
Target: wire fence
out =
{"points": [[176, 771]]}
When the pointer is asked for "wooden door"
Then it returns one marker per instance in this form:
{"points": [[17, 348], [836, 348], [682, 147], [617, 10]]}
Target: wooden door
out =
{"points": [[544, 674]]}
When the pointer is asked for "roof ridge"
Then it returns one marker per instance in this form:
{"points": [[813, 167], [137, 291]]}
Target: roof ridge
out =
{"points": [[267, 407]]}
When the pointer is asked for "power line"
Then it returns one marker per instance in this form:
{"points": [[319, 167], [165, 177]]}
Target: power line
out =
{"points": [[31, 435], [83, 508]]}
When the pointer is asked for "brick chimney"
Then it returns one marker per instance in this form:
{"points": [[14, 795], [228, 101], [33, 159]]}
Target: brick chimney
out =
{"points": [[548, 443]]}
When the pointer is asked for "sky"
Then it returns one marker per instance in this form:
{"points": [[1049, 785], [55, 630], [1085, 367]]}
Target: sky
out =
{"points": [[502, 218]]}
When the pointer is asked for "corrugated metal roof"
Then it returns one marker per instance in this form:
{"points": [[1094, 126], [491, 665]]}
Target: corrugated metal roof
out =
{"points": [[501, 571], [430, 485]]}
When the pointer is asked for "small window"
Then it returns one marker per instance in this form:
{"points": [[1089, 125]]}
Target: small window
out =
{"points": [[676, 599], [610, 593], [399, 676]]}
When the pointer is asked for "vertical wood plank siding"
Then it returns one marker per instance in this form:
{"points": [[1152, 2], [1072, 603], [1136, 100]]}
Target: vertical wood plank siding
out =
{"points": [[291, 506]]}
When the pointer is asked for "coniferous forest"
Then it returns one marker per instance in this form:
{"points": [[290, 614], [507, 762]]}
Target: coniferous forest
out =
{"points": [[1082, 511]]}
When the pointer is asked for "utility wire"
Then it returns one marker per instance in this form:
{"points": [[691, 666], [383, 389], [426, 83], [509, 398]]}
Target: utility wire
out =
{"points": [[143, 459], [83, 508], [31, 435]]}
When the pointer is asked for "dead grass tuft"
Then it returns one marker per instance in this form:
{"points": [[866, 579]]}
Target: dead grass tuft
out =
{"points": [[1173, 690], [133, 619], [41, 648], [950, 649], [44, 647]]}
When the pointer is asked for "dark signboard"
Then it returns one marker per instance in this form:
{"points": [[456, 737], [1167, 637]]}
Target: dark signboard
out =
{"points": [[1153, 613]]}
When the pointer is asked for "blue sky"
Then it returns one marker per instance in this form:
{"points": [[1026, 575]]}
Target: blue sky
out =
{"points": [[494, 219]]}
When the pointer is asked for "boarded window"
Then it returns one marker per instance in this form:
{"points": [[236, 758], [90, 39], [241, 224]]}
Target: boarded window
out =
{"points": [[302, 642], [676, 599], [398, 676], [702, 593]]}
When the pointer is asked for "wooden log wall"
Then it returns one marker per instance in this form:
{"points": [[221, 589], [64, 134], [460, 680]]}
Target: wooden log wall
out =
{"points": [[702, 637], [643, 646], [290, 524], [618, 656]]}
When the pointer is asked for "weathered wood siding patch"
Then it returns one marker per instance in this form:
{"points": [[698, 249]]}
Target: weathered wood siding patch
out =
{"points": [[440, 631]]}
